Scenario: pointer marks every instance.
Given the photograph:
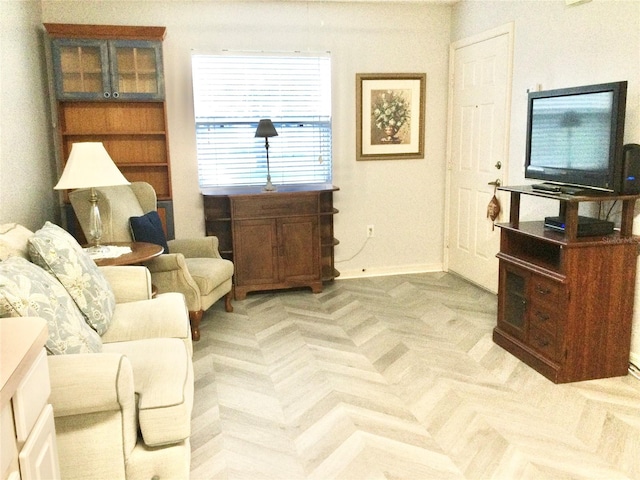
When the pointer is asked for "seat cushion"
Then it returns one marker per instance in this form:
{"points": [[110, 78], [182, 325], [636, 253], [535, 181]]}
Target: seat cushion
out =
{"points": [[148, 228], [27, 290], [55, 250], [14, 241], [163, 381], [162, 316], [209, 273]]}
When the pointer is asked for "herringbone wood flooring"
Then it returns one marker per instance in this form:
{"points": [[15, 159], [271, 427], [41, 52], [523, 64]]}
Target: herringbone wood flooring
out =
{"points": [[394, 378]]}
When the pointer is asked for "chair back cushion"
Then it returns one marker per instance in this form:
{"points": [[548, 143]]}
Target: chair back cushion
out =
{"points": [[148, 228], [26, 290], [14, 241], [55, 250], [116, 205]]}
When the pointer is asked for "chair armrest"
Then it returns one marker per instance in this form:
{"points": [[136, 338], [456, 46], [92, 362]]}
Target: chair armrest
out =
{"points": [[167, 262], [89, 383], [169, 273], [129, 283], [205, 247]]}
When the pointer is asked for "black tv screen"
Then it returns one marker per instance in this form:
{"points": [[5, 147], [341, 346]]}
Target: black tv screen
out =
{"points": [[575, 136]]}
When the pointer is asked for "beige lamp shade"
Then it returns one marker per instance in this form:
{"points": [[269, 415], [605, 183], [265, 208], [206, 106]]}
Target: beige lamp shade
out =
{"points": [[89, 165]]}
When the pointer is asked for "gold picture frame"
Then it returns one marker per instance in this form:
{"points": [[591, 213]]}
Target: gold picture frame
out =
{"points": [[390, 116]]}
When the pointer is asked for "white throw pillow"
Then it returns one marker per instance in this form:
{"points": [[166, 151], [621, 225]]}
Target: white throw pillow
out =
{"points": [[13, 241]]}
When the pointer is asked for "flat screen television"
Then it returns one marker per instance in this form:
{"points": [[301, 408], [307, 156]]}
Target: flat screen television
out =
{"points": [[575, 136]]}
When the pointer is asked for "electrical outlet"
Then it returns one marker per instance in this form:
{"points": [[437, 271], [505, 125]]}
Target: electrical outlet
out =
{"points": [[369, 231]]}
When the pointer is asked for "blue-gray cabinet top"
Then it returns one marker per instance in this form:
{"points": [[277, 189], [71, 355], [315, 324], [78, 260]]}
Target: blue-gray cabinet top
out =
{"points": [[107, 68]]}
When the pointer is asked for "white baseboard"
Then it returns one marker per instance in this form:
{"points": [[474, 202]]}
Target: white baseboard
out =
{"points": [[384, 271]]}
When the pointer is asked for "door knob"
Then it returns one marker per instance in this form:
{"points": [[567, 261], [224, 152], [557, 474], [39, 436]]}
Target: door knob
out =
{"points": [[498, 165], [495, 183]]}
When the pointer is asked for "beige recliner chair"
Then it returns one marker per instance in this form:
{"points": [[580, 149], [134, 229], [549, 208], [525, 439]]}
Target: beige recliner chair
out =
{"points": [[192, 267]]}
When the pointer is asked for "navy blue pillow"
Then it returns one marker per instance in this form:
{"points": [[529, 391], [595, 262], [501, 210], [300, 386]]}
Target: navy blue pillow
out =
{"points": [[148, 228]]}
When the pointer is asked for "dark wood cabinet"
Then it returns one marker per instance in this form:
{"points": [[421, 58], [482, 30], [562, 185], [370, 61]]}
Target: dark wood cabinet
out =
{"points": [[276, 240], [565, 303]]}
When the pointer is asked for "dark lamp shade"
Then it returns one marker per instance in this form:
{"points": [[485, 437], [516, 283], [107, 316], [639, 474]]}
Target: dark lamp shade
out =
{"points": [[266, 129]]}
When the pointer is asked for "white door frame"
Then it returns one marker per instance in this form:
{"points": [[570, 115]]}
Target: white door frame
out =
{"points": [[506, 29]]}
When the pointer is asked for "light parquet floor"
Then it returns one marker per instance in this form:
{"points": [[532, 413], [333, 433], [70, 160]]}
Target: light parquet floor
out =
{"points": [[393, 378]]}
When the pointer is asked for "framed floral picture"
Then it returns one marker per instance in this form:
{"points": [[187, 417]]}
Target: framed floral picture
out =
{"points": [[390, 116]]}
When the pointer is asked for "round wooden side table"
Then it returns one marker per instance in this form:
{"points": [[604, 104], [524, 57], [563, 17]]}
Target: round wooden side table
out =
{"points": [[140, 252]]}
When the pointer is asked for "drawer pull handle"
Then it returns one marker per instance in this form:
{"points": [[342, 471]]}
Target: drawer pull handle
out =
{"points": [[542, 342], [542, 290], [543, 317]]}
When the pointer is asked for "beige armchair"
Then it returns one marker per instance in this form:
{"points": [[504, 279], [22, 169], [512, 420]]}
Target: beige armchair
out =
{"points": [[192, 267]]}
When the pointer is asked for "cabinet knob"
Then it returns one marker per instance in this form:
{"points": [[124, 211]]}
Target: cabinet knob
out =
{"points": [[106, 95], [116, 94]]}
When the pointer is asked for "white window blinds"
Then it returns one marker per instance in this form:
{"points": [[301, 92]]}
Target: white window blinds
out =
{"points": [[233, 92]]}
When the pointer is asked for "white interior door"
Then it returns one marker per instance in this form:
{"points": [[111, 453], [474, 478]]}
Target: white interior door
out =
{"points": [[480, 91]]}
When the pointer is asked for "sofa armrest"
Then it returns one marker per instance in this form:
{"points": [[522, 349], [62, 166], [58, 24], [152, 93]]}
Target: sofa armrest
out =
{"points": [[94, 408], [90, 383], [164, 316], [204, 247], [129, 283]]}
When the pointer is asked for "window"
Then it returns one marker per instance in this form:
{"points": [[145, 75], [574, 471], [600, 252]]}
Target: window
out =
{"points": [[233, 92]]}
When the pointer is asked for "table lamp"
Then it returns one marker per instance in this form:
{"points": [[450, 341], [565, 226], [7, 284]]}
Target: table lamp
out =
{"points": [[266, 129], [90, 166]]}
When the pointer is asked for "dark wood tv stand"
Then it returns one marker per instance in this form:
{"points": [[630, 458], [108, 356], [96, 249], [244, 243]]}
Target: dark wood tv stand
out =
{"points": [[565, 303]]}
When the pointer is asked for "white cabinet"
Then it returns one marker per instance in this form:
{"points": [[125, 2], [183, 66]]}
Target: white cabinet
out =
{"points": [[28, 431]]}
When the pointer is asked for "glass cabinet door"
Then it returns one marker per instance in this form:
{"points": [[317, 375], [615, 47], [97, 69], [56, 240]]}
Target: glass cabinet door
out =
{"points": [[88, 69], [81, 69], [513, 296], [136, 70]]}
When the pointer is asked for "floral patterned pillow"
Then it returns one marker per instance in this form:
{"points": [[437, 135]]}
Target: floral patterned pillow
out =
{"points": [[55, 250], [26, 290]]}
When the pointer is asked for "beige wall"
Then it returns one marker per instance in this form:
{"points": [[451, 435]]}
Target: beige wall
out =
{"points": [[560, 46], [27, 167], [403, 199]]}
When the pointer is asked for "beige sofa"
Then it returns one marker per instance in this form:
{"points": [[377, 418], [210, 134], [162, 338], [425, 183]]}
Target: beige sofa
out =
{"points": [[123, 411]]}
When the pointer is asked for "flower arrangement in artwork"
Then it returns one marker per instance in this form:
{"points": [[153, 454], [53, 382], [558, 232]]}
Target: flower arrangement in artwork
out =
{"points": [[390, 111]]}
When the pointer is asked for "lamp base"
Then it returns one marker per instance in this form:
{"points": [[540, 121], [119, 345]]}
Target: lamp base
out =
{"points": [[269, 187]]}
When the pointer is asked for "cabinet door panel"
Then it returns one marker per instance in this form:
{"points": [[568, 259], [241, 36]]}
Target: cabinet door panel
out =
{"points": [[512, 301], [256, 251], [300, 248], [81, 69], [39, 456], [136, 69]]}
